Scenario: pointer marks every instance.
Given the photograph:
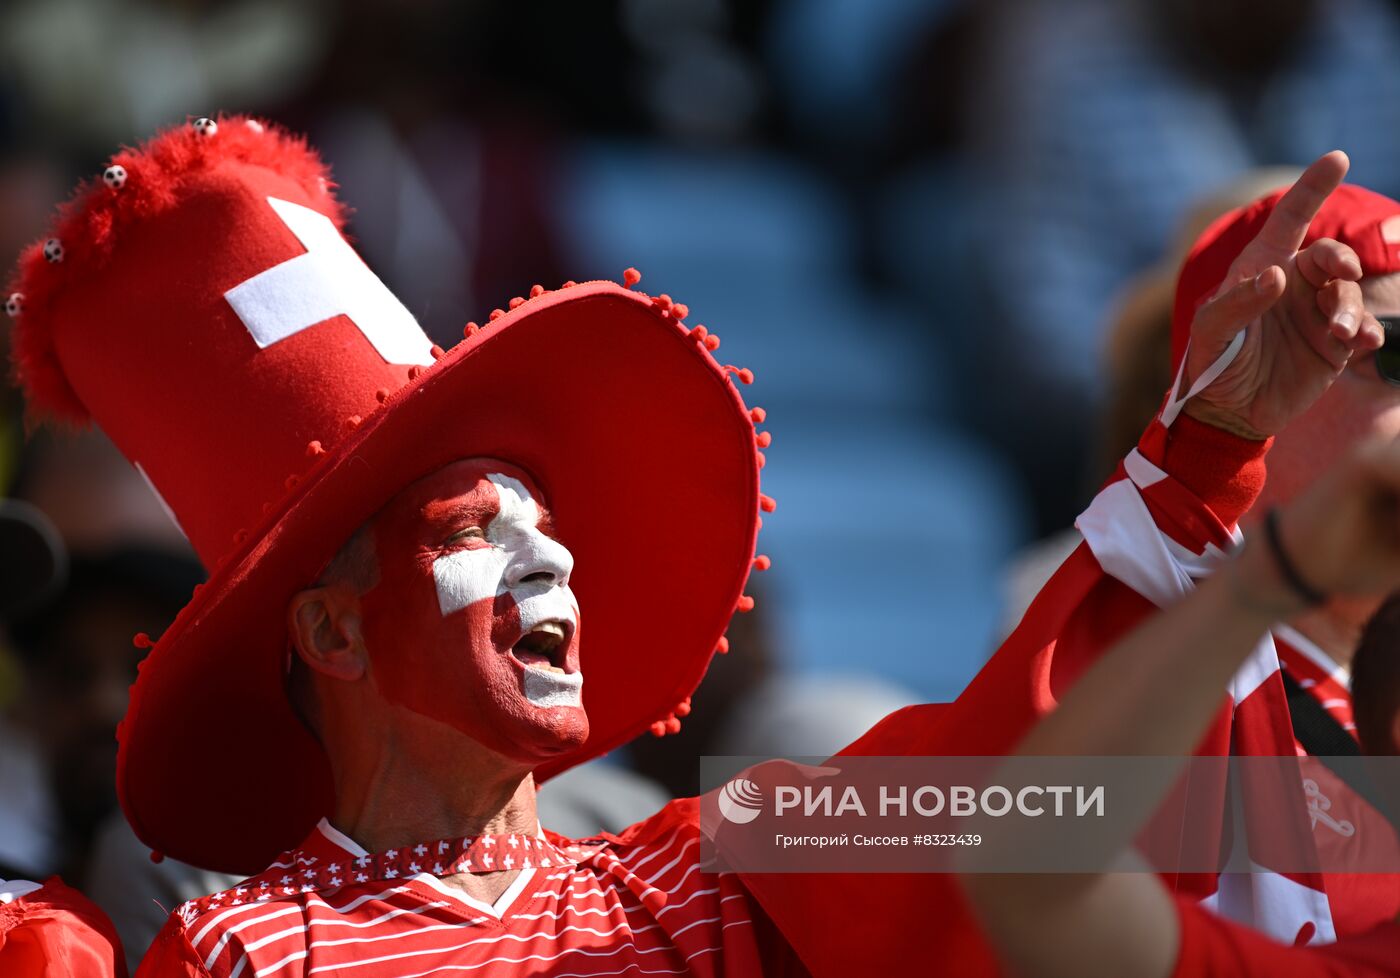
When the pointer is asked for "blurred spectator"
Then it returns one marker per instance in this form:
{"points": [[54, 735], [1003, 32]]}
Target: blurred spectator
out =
{"points": [[78, 660], [34, 564], [46, 928]]}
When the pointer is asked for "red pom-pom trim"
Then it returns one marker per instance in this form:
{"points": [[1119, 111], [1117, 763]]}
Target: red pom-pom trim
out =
{"points": [[536, 291], [314, 448], [767, 503], [142, 641], [630, 277], [723, 647], [746, 603], [762, 562], [764, 439], [495, 315], [516, 303]]}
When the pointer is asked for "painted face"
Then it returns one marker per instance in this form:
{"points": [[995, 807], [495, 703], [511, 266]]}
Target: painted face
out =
{"points": [[472, 622], [1359, 405]]}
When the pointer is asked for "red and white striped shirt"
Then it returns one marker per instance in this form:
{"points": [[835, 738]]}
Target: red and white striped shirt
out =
{"points": [[631, 904]]}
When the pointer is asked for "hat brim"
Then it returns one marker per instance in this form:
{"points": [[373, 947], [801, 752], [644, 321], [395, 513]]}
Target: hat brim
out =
{"points": [[645, 452]]}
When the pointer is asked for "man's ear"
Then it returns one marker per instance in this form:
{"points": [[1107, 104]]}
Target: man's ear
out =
{"points": [[325, 626]]}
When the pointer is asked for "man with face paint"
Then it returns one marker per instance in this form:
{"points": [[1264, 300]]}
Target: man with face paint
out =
{"points": [[438, 662], [386, 660]]}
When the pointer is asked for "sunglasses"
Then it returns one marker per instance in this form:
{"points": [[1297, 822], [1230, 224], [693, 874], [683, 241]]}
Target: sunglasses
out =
{"points": [[1388, 356]]}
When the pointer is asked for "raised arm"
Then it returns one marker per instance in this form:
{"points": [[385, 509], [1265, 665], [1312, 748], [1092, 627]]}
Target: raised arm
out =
{"points": [[1290, 320], [1153, 695]]}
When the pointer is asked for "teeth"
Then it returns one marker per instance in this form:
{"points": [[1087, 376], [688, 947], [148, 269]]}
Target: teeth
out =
{"points": [[539, 646]]}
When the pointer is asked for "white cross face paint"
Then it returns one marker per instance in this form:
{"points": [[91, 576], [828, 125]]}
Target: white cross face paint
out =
{"points": [[472, 622], [521, 562], [553, 689]]}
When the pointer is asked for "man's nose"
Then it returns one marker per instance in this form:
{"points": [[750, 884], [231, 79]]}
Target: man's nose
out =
{"points": [[540, 561]]}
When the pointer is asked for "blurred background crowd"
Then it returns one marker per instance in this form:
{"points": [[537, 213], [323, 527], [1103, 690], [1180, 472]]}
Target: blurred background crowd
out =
{"points": [[942, 232]]}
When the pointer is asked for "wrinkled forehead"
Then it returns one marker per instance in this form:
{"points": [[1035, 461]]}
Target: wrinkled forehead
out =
{"points": [[468, 489]]}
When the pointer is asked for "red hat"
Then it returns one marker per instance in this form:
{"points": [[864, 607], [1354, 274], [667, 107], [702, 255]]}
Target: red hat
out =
{"points": [[201, 305], [1363, 220]]}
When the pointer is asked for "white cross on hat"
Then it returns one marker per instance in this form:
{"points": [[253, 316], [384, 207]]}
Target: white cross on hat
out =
{"points": [[328, 280]]}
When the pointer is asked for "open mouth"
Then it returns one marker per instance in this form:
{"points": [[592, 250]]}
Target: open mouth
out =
{"points": [[543, 647]]}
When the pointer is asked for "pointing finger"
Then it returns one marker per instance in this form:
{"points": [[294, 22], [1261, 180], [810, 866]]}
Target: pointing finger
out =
{"points": [[1287, 225]]}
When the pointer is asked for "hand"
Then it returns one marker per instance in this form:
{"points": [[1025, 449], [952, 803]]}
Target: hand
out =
{"points": [[1342, 535], [1301, 313]]}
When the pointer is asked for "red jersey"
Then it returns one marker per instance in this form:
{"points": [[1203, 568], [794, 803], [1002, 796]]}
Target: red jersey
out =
{"points": [[1213, 948], [635, 903], [1347, 830], [52, 931]]}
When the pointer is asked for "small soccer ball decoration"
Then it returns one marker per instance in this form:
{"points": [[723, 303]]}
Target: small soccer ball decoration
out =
{"points": [[114, 176], [14, 305], [205, 127], [53, 251]]}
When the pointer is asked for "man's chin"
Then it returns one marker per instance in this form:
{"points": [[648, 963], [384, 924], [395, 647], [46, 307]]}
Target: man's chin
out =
{"points": [[543, 734], [568, 729]]}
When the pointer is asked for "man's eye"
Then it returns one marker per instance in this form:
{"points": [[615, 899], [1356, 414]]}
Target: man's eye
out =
{"points": [[470, 533]]}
